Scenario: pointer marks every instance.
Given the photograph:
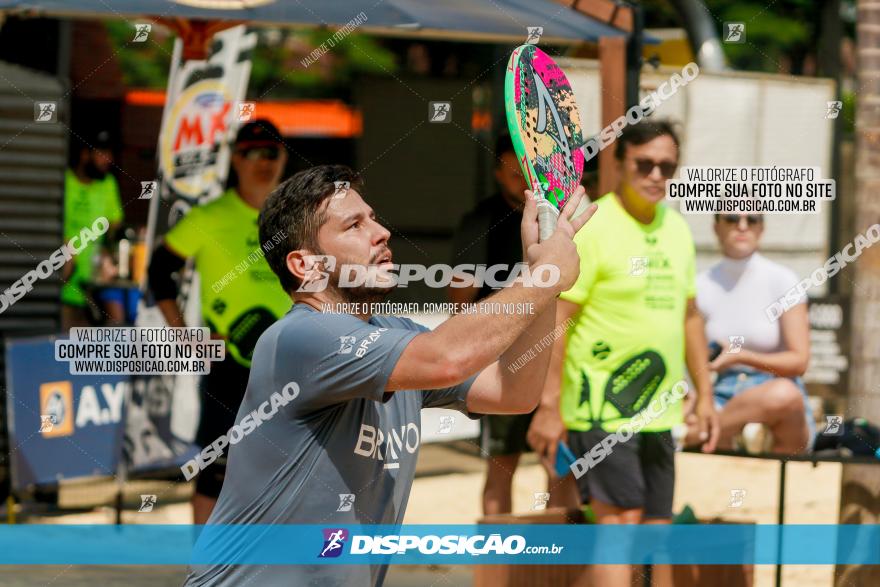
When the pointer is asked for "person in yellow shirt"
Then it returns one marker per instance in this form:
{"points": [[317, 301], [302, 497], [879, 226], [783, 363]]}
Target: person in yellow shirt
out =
{"points": [[90, 192], [633, 326], [240, 295]]}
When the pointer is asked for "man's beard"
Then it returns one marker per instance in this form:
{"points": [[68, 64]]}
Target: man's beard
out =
{"points": [[92, 171], [362, 294], [366, 293]]}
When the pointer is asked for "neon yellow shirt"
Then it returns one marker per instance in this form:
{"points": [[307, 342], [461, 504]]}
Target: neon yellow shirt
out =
{"points": [[633, 288], [240, 295], [83, 204]]}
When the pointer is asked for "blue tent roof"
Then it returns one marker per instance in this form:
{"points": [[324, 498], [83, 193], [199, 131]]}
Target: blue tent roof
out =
{"points": [[476, 19]]}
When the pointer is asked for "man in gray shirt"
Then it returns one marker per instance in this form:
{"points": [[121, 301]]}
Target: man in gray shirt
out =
{"points": [[329, 429]]}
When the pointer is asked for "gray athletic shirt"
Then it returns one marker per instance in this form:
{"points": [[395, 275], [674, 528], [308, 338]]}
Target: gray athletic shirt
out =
{"points": [[342, 434]]}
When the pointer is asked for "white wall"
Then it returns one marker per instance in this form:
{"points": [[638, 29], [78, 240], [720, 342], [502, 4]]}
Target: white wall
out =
{"points": [[740, 119]]}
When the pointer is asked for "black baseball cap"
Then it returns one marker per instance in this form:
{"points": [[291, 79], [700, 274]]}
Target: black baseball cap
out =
{"points": [[259, 133], [90, 138], [102, 140]]}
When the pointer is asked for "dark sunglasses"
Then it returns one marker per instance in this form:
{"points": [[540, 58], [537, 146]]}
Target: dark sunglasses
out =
{"points": [[645, 167], [255, 153], [733, 219]]}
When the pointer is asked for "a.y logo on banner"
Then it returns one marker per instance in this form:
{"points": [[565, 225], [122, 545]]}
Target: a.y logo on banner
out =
{"points": [[56, 402]]}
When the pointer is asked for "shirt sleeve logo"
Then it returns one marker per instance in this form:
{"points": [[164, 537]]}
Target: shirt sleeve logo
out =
{"points": [[346, 345], [370, 339]]}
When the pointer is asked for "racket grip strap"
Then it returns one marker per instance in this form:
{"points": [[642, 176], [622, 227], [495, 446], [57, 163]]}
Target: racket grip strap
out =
{"points": [[547, 215]]}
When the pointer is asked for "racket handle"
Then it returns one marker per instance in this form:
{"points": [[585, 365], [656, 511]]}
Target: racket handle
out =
{"points": [[547, 214]]}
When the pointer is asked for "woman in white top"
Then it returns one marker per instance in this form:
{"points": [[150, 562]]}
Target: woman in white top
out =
{"points": [[761, 358]]}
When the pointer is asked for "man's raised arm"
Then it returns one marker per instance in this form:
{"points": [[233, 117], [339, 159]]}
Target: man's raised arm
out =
{"points": [[466, 344]]}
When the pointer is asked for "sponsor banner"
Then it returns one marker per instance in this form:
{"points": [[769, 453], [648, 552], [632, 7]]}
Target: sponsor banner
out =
{"points": [[199, 123], [61, 426], [415, 544]]}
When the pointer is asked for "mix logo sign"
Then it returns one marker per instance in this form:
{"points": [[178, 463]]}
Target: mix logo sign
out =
{"points": [[201, 116], [57, 403], [196, 128]]}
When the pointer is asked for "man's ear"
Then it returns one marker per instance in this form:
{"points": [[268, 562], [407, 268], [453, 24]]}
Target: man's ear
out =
{"points": [[299, 263]]}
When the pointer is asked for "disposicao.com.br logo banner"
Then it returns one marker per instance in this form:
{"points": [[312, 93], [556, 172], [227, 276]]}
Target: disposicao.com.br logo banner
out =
{"points": [[814, 544]]}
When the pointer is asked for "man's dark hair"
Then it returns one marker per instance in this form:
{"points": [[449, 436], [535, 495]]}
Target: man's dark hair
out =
{"points": [[293, 213], [503, 144], [644, 132]]}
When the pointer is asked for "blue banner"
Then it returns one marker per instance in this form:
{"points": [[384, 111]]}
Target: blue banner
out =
{"points": [[61, 426], [440, 544]]}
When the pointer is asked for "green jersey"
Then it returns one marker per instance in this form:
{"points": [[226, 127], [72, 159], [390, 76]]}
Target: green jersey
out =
{"points": [[627, 344], [83, 204], [240, 295]]}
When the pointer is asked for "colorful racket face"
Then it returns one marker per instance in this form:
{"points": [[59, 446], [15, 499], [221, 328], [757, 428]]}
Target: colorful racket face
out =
{"points": [[544, 124]]}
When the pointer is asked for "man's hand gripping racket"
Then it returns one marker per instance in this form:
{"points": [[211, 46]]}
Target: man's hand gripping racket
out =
{"points": [[558, 249]]}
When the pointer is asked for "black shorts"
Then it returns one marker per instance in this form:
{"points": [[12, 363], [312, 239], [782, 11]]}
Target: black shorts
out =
{"points": [[636, 474], [504, 435], [221, 392]]}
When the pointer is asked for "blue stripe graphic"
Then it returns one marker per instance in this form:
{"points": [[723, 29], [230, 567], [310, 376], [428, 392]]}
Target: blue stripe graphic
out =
{"points": [[574, 544]]}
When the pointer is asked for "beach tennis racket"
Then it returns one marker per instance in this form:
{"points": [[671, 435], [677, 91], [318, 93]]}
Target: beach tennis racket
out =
{"points": [[545, 128], [633, 384]]}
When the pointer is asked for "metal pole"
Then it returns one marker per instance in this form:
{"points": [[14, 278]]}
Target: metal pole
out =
{"points": [[634, 55], [780, 520]]}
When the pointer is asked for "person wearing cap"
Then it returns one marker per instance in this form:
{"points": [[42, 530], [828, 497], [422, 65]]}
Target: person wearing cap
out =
{"points": [[90, 192], [240, 295]]}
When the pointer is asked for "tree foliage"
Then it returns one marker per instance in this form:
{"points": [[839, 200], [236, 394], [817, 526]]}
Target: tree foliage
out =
{"points": [[780, 34], [279, 66]]}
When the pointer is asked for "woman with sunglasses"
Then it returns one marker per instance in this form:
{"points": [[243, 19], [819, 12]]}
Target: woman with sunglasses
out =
{"points": [[758, 361]]}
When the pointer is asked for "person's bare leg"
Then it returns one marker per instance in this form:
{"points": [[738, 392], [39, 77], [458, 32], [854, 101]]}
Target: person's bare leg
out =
{"points": [[613, 575], [497, 492], [563, 493], [202, 507], [115, 313], [661, 575], [72, 317], [779, 404]]}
